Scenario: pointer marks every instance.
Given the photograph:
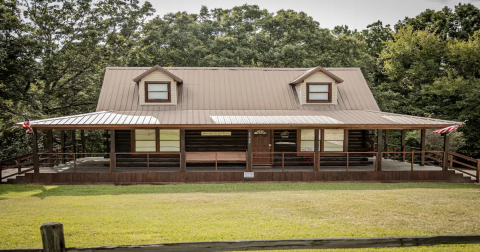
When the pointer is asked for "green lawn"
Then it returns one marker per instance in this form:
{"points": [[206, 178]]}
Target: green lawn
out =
{"points": [[122, 215]]}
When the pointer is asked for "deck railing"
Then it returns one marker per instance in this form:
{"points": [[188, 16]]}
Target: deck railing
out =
{"points": [[465, 164], [74, 162], [25, 162], [148, 156], [461, 163]]}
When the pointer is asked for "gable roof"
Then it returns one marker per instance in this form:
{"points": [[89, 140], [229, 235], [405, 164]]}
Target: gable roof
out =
{"points": [[155, 68], [312, 71], [233, 88]]}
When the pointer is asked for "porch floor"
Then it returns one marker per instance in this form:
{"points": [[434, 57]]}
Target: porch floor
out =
{"points": [[100, 165]]}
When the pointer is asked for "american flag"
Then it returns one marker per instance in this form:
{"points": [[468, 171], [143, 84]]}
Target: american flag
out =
{"points": [[448, 129], [26, 125]]}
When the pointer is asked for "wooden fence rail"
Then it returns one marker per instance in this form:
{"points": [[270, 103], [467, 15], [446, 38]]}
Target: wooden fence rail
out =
{"points": [[54, 241]]}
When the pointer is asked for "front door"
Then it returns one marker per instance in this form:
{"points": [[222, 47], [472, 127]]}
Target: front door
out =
{"points": [[261, 147]]}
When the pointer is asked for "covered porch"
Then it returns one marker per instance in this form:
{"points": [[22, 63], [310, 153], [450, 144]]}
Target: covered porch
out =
{"points": [[177, 146], [72, 163]]}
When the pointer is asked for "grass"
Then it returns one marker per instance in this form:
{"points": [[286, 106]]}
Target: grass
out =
{"points": [[123, 215]]}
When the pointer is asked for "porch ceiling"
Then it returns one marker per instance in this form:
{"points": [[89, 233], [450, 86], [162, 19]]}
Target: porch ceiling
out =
{"points": [[229, 118]]}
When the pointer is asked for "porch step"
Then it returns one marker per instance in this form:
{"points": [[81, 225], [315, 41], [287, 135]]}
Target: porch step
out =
{"points": [[458, 177]]}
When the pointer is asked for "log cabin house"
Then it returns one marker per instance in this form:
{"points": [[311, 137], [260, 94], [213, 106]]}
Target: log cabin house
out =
{"points": [[225, 124]]}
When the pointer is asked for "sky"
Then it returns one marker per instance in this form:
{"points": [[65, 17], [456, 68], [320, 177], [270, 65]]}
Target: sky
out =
{"points": [[356, 14]]}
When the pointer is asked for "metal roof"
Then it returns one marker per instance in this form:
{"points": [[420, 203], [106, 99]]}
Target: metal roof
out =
{"points": [[226, 97], [240, 117], [225, 88]]}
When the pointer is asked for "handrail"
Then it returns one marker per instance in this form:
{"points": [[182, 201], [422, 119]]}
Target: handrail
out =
{"points": [[462, 156], [312, 154]]}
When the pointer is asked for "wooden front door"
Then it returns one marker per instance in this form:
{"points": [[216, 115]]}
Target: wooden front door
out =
{"points": [[261, 147]]}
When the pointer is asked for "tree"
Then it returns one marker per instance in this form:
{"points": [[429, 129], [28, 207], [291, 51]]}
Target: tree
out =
{"points": [[54, 55], [17, 68], [461, 23]]}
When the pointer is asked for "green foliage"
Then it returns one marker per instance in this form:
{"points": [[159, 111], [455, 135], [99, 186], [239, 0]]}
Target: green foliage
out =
{"points": [[245, 36], [53, 56], [434, 77], [460, 23]]}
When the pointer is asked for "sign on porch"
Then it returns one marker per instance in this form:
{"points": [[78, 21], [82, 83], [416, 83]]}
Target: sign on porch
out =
{"points": [[219, 133], [248, 174]]}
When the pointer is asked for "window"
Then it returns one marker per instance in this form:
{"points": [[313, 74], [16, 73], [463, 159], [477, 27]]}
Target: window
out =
{"points": [[169, 140], [145, 140], [157, 91], [155, 140], [333, 140], [307, 140], [319, 92]]}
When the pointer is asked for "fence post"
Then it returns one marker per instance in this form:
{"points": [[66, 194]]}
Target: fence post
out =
{"points": [[478, 171], [283, 161], [52, 237]]}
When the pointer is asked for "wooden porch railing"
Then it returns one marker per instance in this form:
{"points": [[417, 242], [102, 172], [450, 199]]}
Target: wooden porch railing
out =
{"points": [[458, 162], [462, 160], [26, 161], [435, 158]]}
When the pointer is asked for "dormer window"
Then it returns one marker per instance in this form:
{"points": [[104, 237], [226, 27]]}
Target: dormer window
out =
{"points": [[157, 91], [319, 92]]}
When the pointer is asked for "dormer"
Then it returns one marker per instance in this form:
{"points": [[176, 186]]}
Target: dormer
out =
{"points": [[317, 86], [157, 86]]}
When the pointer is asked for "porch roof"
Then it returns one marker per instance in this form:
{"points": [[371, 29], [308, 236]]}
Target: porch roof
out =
{"points": [[228, 118]]}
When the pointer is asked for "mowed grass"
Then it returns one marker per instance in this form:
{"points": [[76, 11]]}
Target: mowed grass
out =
{"points": [[124, 215]]}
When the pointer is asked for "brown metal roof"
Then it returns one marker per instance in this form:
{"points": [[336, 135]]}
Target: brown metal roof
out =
{"points": [[229, 97], [225, 88], [243, 117], [312, 71]]}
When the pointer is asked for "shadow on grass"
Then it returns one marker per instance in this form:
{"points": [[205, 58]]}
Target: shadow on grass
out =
{"points": [[93, 190], [21, 190]]}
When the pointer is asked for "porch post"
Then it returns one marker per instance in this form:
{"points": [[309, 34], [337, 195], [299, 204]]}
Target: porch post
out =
{"points": [[316, 149], [402, 143], [183, 165], [62, 145], [249, 150], [36, 165], [345, 143], [112, 150], [446, 150], [379, 149], [423, 146], [82, 141], [74, 142], [49, 148], [386, 143]]}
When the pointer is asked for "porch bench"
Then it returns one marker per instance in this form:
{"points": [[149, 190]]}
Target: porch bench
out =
{"points": [[215, 157]]}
